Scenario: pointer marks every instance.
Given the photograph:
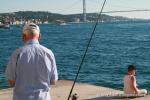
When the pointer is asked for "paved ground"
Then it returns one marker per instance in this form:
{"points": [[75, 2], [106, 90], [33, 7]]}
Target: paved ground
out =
{"points": [[84, 91]]}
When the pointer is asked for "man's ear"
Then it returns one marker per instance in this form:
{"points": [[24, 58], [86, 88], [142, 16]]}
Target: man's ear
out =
{"points": [[39, 37], [24, 37]]}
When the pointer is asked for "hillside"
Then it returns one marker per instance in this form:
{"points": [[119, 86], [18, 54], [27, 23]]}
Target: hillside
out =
{"points": [[53, 17]]}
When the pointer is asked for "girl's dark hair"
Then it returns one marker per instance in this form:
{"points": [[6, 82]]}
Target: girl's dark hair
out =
{"points": [[131, 67]]}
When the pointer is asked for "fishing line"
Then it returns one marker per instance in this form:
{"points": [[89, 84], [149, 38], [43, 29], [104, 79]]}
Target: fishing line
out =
{"points": [[87, 47]]}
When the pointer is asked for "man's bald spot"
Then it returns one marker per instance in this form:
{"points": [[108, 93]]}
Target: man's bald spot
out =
{"points": [[31, 32]]}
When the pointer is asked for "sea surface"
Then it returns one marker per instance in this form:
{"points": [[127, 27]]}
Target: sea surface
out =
{"points": [[114, 46]]}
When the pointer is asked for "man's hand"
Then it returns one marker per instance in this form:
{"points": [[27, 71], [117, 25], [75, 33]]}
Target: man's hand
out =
{"points": [[53, 82], [12, 83]]}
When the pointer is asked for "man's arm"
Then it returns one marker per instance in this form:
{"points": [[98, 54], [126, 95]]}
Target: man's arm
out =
{"points": [[53, 82], [134, 85], [54, 72], [11, 69]]}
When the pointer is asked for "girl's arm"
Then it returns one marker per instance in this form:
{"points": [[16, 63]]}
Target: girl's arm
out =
{"points": [[134, 85]]}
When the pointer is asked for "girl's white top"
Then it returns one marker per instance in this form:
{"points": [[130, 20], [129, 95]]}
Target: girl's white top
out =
{"points": [[128, 89]]}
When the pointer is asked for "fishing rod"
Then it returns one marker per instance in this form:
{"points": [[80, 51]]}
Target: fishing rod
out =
{"points": [[87, 47]]}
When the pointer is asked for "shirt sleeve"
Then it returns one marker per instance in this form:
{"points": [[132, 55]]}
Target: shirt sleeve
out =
{"points": [[54, 72], [11, 67]]}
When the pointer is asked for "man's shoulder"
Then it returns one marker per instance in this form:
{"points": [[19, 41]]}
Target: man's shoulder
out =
{"points": [[46, 50], [18, 50], [21, 49], [40, 47]]}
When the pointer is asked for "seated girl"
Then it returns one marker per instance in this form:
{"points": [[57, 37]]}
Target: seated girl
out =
{"points": [[130, 85]]}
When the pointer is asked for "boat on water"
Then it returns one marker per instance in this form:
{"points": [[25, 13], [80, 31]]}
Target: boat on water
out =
{"points": [[63, 23], [60, 22], [4, 26]]}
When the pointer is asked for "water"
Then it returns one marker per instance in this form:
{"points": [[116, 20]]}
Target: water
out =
{"points": [[114, 46]]}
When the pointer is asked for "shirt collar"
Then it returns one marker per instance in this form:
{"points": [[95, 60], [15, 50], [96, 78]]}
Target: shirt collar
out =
{"points": [[32, 42]]}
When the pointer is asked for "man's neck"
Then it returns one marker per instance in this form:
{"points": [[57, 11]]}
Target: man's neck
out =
{"points": [[31, 41]]}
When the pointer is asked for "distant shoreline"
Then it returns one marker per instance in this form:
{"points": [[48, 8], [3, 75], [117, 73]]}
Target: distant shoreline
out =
{"points": [[48, 17]]}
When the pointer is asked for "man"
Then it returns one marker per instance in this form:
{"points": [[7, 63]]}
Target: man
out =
{"points": [[130, 85], [32, 68]]}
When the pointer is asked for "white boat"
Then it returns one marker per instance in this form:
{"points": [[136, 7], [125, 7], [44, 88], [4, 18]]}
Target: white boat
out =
{"points": [[63, 24], [4, 26]]}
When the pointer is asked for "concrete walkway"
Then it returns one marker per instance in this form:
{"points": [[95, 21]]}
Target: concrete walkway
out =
{"points": [[84, 91]]}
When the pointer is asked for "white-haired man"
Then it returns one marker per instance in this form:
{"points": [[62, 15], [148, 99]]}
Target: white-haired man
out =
{"points": [[32, 68]]}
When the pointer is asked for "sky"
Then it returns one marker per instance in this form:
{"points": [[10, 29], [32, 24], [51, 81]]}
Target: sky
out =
{"points": [[75, 6]]}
